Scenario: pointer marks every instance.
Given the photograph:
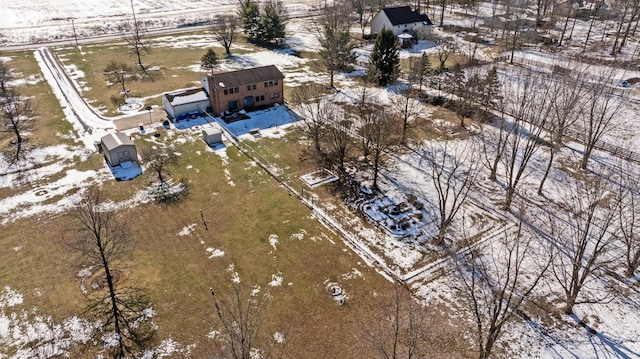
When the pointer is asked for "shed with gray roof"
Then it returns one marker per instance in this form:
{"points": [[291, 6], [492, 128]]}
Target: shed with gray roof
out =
{"points": [[118, 148]]}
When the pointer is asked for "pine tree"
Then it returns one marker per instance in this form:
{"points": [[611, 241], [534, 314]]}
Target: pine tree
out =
{"points": [[421, 70], [250, 16], [491, 88], [209, 60], [336, 47], [272, 23], [385, 57]]}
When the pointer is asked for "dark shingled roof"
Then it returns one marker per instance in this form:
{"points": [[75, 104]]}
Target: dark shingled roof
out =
{"points": [[245, 77], [404, 15]]}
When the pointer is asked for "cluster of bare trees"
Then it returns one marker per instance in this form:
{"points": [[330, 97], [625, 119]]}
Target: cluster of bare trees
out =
{"points": [[17, 114], [367, 131]]}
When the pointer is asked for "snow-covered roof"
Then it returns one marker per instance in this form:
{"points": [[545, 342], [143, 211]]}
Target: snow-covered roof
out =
{"points": [[188, 96]]}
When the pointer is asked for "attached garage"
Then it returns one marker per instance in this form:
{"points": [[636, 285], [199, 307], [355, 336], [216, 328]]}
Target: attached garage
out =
{"points": [[118, 148], [191, 101]]}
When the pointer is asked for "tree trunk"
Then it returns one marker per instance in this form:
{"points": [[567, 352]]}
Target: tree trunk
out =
{"points": [[546, 172], [114, 306], [509, 198]]}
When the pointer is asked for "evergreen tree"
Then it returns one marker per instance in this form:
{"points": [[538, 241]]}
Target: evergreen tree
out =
{"points": [[421, 70], [250, 17], [336, 47], [272, 23], [492, 89], [385, 57], [209, 60]]}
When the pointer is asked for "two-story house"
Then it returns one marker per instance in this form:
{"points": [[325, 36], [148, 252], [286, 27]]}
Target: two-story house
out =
{"points": [[244, 89], [400, 20]]}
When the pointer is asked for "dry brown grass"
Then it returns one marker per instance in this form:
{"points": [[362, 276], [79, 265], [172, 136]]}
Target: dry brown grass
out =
{"points": [[176, 269]]}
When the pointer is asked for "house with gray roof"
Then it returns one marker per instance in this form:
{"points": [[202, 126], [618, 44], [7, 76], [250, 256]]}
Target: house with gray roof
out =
{"points": [[400, 20]]}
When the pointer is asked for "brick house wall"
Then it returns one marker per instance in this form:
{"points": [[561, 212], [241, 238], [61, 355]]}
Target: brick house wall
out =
{"points": [[245, 89]]}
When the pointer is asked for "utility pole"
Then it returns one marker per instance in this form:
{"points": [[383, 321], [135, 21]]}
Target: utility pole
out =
{"points": [[75, 36]]}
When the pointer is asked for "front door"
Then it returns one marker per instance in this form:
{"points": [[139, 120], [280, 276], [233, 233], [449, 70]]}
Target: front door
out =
{"points": [[233, 106], [248, 102], [124, 156]]}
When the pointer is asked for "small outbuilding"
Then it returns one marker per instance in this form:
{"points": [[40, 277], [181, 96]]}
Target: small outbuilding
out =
{"points": [[211, 136], [118, 148]]}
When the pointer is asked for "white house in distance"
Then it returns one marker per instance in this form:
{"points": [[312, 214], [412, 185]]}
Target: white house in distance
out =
{"points": [[401, 20], [118, 148], [184, 102]]}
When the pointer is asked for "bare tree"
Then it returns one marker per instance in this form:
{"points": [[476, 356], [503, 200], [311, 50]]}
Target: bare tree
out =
{"points": [[120, 73], [528, 102], [364, 11], [159, 158], [6, 76], [567, 94], [398, 328], [336, 47], [224, 29], [446, 48], [380, 135], [103, 239], [453, 168], [339, 143], [407, 109], [242, 310], [136, 40], [604, 102], [628, 218], [583, 245], [496, 285], [315, 111], [17, 115]]}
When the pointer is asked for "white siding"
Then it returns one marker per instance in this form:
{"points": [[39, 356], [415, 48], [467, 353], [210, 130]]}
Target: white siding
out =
{"points": [[379, 22]]}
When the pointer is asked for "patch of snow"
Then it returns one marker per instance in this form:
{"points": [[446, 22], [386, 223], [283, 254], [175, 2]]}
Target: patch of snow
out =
{"points": [[276, 280], [186, 230], [273, 240], [214, 252]]}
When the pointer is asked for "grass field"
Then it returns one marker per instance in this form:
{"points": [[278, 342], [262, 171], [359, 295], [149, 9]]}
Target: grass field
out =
{"points": [[243, 208]]}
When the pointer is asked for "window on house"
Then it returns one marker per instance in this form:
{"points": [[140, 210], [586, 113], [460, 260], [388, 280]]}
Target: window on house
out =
{"points": [[270, 83], [266, 84], [248, 87], [275, 82], [226, 92], [257, 98], [262, 98], [237, 89], [277, 95]]}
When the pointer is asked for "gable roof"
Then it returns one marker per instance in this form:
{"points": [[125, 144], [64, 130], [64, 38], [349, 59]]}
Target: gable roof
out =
{"points": [[404, 15], [114, 140], [245, 77], [187, 96]]}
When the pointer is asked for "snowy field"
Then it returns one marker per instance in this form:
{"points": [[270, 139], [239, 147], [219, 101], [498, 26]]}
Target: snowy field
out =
{"points": [[47, 20], [616, 323]]}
